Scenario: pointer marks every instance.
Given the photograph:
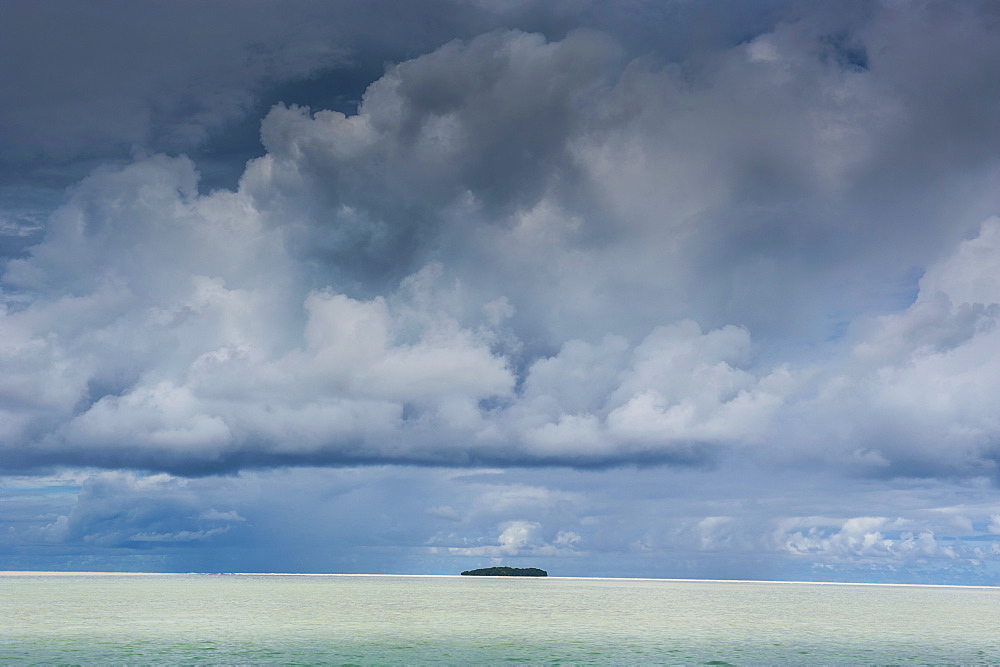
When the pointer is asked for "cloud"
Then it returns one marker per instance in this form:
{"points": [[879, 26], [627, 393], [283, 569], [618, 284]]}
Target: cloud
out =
{"points": [[125, 510], [220, 340], [114, 82], [875, 540], [194, 77], [917, 395], [518, 539], [156, 77], [532, 251], [241, 361], [860, 536], [463, 129], [713, 532], [675, 394]]}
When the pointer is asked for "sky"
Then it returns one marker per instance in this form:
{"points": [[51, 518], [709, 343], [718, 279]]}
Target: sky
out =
{"points": [[667, 288]]}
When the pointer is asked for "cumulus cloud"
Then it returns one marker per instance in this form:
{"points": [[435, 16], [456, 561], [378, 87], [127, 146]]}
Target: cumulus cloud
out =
{"points": [[876, 541], [478, 129], [241, 360], [677, 391], [534, 251], [517, 539], [918, 393]]}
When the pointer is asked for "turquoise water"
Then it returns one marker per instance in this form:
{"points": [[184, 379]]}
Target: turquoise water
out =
{"points": [[285, 619]]}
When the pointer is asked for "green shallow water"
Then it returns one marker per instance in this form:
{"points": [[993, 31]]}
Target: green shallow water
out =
{"points": [[277, 619]]}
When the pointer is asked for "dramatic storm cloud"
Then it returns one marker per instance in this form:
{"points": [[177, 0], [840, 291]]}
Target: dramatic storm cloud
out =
{"points": [[622, 288]]}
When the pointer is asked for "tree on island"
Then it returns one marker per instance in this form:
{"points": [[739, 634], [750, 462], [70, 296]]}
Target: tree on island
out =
{"points": [[505, 571]]}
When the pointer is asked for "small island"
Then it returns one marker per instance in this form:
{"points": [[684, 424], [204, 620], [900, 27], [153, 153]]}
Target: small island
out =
{"points": [[505, 571]]}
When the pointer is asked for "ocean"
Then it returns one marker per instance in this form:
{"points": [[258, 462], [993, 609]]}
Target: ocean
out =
{"points": [[376, 619]]}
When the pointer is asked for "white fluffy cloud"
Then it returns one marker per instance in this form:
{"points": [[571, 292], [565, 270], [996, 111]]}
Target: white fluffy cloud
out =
{"points": [[677, 391], [180, 327], [919, 393]]}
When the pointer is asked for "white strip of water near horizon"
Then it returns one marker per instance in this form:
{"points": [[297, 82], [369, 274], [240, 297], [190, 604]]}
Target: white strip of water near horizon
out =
{"points": [[363, 619]]}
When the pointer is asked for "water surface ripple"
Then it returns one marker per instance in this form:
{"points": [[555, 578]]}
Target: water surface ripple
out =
{"points": [[286, 619]]}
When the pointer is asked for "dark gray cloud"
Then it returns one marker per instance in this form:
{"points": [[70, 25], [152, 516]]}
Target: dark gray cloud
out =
{"points": [[86, 84], [422, 281]]}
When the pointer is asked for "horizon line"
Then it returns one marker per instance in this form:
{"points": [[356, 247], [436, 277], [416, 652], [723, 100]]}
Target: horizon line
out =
{"points": [[60, 573]]}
